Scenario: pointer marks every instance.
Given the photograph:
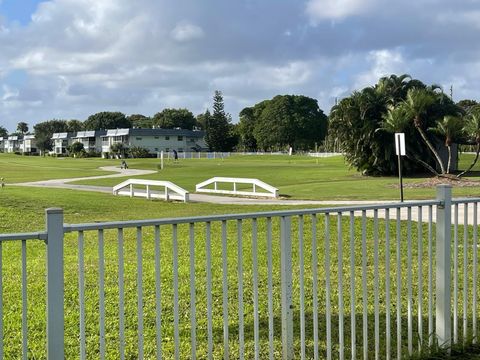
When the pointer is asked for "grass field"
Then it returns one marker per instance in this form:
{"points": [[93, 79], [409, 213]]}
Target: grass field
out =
{"points": [[22, 209]]}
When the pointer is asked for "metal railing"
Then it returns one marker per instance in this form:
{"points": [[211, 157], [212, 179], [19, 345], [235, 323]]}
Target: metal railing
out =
{"points": [[318, 283]]}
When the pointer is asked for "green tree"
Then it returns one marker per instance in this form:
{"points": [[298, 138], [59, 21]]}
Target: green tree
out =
{"points": [[174, 118], [22, 127], [44, 131], [245, 128], [74, 125], [140, 121], [416, 106], [219, 136], [472, 131], [202, 119], [289, 121], [76, 148], [107, 120], [3, 132], [452, 129]]}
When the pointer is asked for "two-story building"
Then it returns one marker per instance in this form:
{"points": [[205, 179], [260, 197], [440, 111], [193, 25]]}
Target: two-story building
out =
{"points": [[91, 140], [12, 144], [155, 140], [61, 142], [29, 145], [2, 144]]}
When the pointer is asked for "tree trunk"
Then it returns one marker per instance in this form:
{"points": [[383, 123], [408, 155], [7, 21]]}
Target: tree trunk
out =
{"points": [[432, 149], [473, 163], [449, 158]]}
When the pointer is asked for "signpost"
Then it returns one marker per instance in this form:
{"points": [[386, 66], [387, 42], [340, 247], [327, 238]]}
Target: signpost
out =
{"points": [[400, 151]]}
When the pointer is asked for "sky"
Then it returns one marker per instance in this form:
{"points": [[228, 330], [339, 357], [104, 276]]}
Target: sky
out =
{"points": [[68, 59]]}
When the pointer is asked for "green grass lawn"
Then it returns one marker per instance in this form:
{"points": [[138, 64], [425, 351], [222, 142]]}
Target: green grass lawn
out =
{"points": [[22, 209], [297, 177]]}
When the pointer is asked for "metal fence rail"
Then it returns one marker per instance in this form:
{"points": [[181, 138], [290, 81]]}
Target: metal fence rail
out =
{"points": [[346, 283]]}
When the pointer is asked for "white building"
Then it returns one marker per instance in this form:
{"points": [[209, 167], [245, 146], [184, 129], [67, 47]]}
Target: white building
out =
{"points": [[91, 140], [61, 142], [12, 144], [2, 144], [155, 140]]}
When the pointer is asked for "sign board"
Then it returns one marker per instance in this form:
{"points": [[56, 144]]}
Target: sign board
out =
{"points": [[400, 144]]}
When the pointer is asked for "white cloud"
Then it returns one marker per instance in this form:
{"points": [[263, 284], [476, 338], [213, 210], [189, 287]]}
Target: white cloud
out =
{"points": [[337, 9], [381, 63], [184, 32]]}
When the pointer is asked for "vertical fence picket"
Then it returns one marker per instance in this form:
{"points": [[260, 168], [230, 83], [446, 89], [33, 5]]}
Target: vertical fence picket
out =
{"points": [[101, 290], [208, 250], [409, 282], [455, 274], [241, 336], [270, 288], [376, 284], [398, 240], [121, 294], [352, 286], [81, 294], [158, 294], [430, 277], [475, 271], [140, 292], [315, 287], [387, 285], [256, 320], [302, 286], [327, 287], [465, 272], [341, 335], [24, 302], [364, 285], [1, 301], [176, 315], [193, 316], [226, 349], [420, 277]]}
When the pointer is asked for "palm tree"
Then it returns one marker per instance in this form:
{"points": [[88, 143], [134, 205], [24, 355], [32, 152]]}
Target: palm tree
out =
{"points": [[451, 128], [472, 129], [416, 105]]}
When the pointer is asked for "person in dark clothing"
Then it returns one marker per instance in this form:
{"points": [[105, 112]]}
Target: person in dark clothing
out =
{"points": [[124, 165], [175, 155]]}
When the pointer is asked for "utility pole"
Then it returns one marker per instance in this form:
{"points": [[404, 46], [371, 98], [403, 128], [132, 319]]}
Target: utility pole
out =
{"points": [[451, 92]]}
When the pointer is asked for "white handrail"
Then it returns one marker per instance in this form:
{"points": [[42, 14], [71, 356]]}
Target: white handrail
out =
{"points": [[270, 191], [171, 191]]}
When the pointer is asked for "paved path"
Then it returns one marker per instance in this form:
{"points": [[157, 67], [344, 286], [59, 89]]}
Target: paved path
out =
{"points": [[203, 198]]}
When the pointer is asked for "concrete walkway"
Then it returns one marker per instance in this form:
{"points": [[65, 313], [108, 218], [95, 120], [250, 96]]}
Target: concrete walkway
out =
{"points": [[228, 200]]}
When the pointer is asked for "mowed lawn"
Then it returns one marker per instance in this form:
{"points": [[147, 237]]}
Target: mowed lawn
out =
{"points": [[22, 209], [297, 177]]}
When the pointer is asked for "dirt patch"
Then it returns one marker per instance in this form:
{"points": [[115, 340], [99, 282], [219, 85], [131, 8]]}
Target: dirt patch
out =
{"points": [[433, 182]]}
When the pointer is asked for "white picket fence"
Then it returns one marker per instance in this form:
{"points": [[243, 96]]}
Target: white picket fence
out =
{"points": [[236, 286]]}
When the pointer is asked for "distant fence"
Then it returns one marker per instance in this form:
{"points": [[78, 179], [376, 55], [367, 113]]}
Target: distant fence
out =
{"points": [[316, 283]]}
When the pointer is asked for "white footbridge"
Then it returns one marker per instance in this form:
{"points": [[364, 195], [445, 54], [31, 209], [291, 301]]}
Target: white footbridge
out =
{"points": [[151, 189], [258, 187]]}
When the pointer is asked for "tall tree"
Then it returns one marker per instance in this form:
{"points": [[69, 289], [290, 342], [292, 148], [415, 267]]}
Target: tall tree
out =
{"points": [[472, 130], [416, 106], [22, 127], [107, 120], [45, 130], [140, 121], [3, 132], [74, 125], [245, 129], [174, 118], [451, 129], [219, 135]]}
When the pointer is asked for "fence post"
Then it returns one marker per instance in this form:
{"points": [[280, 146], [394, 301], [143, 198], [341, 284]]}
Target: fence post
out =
{"points": [[443, 326], [55, 289], [286, 279]]}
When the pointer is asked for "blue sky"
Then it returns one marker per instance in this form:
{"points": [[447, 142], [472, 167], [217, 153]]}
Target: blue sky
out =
{"points": [[68, 59]]}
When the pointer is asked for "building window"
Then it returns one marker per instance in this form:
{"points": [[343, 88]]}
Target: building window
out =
{"points": [[180, 138], [138, 138], [156, 149], [155, 137], [167, 137]]}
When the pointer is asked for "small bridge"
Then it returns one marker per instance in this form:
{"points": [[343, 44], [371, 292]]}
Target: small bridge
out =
{"points": [[169, 191], [266, 189]]}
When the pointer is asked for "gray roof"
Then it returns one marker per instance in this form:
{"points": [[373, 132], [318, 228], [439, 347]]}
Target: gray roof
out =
{"points": [[29, 137], [156, 132], [14, 137], [89, 133], [63, 135]]}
